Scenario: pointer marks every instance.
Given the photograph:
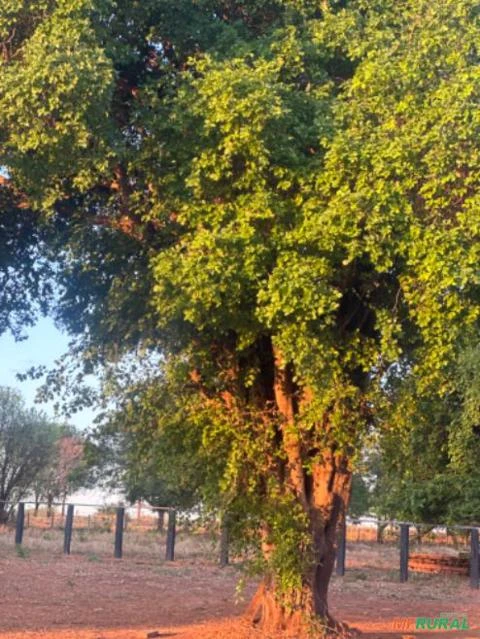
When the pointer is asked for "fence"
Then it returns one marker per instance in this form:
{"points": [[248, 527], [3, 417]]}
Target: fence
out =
{"points": [[404, 547], [25, 518], [378, 530]]}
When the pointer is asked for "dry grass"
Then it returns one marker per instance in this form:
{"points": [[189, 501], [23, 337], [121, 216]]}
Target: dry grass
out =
{"points": [[385, 557], [98, 544], [148, 543], [360, 533], [365, 561]]}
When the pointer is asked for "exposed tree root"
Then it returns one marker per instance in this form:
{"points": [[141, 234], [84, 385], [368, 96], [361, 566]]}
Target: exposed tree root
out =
{"points": [[274, 620]]}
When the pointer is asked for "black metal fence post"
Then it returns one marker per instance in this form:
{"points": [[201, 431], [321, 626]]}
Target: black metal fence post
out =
{"points": [[404, 544], [171, 531], [224, 542], [119, 533], [67, 541], [19, 524], [341, 550], [474, 559]]}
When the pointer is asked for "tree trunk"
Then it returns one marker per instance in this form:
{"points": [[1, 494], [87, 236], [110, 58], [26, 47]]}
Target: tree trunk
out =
{"points": [[161, 520], [320, 482], [381, 527], [4, 514], [49, 505], [305, 612], [421, 532]]}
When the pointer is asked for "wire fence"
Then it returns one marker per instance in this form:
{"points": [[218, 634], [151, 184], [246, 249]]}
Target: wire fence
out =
{"points": [[418, 547], [98, 529], [101, 518], [424, 548]]}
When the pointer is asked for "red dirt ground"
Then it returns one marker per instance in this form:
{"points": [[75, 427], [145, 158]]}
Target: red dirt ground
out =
{"points": [[77, 598]]}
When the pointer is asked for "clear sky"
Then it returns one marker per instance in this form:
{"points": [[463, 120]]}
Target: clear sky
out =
{"points": [[44, 345]]}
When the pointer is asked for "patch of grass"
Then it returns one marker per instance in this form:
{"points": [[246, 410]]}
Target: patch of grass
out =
{"points": [[93, 557], [147, 545], [22, 552], [359, 576]]}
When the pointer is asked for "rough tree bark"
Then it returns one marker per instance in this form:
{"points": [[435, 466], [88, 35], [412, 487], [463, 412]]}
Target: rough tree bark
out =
{"points": [[309, 606], [323, 493]]}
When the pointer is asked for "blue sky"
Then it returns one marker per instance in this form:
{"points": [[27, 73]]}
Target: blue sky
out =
{"points": [[44, 345]]}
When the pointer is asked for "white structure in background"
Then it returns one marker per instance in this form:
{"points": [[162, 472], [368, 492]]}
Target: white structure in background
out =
{"points": [[87, 501]]}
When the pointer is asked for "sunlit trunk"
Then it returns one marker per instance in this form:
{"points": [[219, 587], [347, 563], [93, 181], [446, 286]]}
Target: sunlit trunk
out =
{"points": [[299, 613], [320, 483]]}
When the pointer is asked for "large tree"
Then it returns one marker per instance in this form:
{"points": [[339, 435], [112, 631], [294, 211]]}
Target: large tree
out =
{"points": [[281, 199]]}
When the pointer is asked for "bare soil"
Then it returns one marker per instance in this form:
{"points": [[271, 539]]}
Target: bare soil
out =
{"points": [[92, 596]]}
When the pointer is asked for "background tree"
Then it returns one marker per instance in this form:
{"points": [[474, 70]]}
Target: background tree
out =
{"points": [[66, 470], [360, 500], [279, 199], [424, 468], [144, 449], [27, 438]]}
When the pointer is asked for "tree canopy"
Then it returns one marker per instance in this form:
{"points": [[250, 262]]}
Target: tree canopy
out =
{"points": [[146, 448], [64, 471], [424, 467], [27, 444], [280, 200]]}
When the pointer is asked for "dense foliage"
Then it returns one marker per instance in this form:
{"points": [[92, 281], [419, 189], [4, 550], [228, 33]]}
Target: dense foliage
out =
{"points": [[30, 459], [280, 200], [148, 450], [425, 469]]}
